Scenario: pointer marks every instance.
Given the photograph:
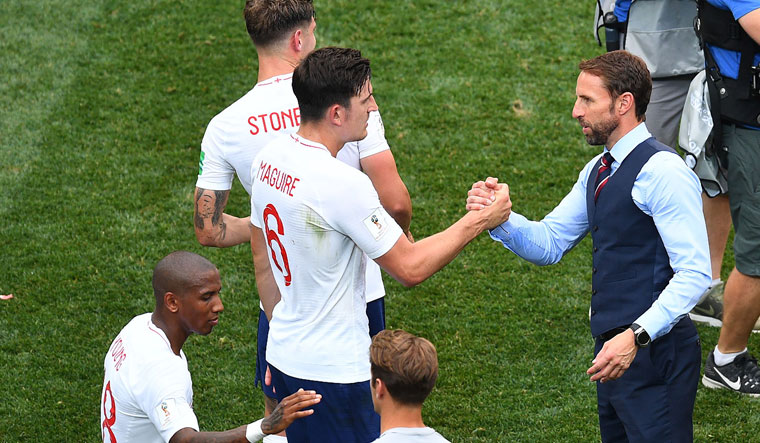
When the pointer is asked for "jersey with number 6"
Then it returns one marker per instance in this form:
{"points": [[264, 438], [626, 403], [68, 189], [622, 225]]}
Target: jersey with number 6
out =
{"points": [[236, 135], [147, 390], [318, 215]]}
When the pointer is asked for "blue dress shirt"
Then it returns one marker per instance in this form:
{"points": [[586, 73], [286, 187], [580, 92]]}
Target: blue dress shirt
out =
{"points": [[666, 190]]}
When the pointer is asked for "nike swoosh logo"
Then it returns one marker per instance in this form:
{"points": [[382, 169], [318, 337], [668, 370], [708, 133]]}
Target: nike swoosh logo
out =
{"points": [[735, 385], [709, 311]]}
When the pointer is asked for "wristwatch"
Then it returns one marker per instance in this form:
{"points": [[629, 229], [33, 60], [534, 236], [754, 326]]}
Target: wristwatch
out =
{"points": [[640, 336]]}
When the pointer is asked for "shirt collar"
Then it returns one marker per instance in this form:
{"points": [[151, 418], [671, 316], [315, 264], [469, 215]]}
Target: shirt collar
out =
{"points": [[625, 145], [308, 143], [275, 80]]}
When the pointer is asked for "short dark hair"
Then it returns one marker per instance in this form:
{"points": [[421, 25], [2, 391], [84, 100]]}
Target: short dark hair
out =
{"points": [[178, 272], [622, 72], [407, 365], [329, 76], [269, 21]]}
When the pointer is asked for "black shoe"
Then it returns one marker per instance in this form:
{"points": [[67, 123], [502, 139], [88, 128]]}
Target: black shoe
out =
{"points": [[742, 375], [710, 309]]}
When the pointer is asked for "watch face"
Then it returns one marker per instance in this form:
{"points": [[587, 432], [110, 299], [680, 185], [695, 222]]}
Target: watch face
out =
{"points": [[642, 339]]}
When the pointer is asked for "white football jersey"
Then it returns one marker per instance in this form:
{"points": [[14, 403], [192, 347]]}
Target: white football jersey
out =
{"points": [[411, 435], [235, 136], [320, 217], [147, 391]]}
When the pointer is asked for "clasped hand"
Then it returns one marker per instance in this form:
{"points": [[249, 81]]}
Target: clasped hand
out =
{"points": [[492, 196], [615, 358]]}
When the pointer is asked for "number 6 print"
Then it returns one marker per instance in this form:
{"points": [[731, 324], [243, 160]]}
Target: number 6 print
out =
{"points": [[273, 237]]}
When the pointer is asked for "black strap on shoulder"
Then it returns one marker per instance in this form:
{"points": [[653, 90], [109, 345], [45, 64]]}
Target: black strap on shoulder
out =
{"points": [[715, 84], [718, 28]]}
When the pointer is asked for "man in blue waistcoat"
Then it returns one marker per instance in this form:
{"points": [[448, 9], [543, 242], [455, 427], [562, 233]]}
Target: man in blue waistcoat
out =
{"points": [[643, 208]]}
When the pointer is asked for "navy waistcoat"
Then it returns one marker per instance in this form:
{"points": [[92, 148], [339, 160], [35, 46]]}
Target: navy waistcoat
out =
{"points": [[630, 263]]}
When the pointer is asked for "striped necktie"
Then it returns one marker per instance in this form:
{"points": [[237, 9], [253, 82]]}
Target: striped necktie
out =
{"points": [[604, 174]]}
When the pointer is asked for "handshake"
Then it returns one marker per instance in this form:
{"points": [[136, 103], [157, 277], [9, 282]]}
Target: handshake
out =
{"points": [[490, 200]]}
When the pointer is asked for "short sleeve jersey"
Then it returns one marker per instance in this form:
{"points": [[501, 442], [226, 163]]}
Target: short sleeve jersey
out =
{"points": [[236, 135], [320, 217], [411, 435], [147, 391], [352, 154]]}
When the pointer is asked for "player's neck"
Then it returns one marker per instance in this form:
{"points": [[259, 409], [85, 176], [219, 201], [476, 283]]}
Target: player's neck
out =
{"points": [[173, 332], [626, 124], [395, 415], [318, 132], [272, 65]]}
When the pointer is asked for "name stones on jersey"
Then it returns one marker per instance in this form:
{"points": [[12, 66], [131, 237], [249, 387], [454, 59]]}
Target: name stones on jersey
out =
{"points": [[277, 121]]}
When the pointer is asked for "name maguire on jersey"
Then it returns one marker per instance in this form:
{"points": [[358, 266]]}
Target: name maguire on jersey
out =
{"points": [[277, 178]]}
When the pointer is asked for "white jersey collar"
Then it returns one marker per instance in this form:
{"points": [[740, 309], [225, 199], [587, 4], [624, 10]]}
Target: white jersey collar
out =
{"points": [[308, 143], [275, 80]]}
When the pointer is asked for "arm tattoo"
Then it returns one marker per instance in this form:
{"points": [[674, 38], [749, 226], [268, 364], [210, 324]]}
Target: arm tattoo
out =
{"points": [[275, 419], [211, 206], [198, 216], [219, 203]]}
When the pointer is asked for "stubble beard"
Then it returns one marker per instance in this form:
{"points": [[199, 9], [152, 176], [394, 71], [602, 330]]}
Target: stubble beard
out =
{"points": [[600, 132]]}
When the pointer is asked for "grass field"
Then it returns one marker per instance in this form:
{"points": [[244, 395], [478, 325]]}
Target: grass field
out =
{"points": [[102, 110]]}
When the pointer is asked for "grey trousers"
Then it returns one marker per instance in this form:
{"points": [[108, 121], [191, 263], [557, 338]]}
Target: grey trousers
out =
{"points": [[665, 107]]}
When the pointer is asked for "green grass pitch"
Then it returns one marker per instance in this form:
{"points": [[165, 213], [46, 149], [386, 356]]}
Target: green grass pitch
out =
{"points": [[102, 110]]}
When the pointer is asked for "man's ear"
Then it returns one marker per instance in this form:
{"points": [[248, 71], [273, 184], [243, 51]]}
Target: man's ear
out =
{"points": [[336, 114], [171, 301], [625, 103], [380, 389], [296, 40]]}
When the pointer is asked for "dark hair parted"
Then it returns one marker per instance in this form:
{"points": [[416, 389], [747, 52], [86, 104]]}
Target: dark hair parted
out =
{"points": [[622, 72], [329, 76], [407, 365], [269, 21]]}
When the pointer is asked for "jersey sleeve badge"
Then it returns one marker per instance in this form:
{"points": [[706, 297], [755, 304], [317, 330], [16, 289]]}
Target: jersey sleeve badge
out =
{"points": [[376, 223], [166, 411]]}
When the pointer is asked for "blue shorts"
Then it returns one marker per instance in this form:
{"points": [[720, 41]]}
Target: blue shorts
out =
{"points": [[261, 355], [375, 314], [344, 415]]}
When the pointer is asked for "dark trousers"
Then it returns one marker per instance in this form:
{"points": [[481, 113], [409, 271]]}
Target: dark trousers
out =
{"points": [[654, 400]]}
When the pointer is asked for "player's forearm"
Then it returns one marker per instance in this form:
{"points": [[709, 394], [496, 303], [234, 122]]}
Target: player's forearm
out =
{"points": [[395, 198], [381, 170], [188, 435], [226, 232], [269, 293], [289, 409], [399, 206], [413, 263], [431, 254], [212, 226]]}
